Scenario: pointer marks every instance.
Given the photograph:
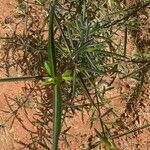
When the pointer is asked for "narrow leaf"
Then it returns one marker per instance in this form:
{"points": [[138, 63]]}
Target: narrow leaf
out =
{"points": [[15, 79], [67, 73], [47, 67]]}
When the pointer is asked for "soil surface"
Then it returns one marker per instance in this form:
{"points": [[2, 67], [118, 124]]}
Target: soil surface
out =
{"points": [[133, 112]]}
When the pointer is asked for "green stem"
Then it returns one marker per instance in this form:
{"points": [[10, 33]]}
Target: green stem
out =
{"points": [[57, 86], [57, 116]]}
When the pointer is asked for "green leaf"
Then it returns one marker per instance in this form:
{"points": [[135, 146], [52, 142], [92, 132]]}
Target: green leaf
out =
{"points": [[69, 78], [49, 81], [106, 141], [67, 75], [93, 49], [47, 67], [66, 50]]}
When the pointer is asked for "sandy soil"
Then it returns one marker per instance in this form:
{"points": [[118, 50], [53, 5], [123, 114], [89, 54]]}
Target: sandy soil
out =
{"points": [[133, 112]]}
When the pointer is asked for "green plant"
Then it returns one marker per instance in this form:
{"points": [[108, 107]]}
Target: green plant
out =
{"points": [[81, 49]]}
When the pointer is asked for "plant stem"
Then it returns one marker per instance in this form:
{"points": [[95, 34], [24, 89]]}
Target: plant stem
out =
{"points": [[57, 86]]}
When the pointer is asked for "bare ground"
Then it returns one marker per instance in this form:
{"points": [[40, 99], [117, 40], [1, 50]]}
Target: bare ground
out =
{"points": [[134, 112]]}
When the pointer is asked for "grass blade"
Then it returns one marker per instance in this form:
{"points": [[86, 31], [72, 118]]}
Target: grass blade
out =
{"points": [[129, 132], [125, 40], [13, 79]]}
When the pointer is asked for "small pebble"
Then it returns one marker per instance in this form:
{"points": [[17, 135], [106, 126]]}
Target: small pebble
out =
{"points": [[8, 20]]}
